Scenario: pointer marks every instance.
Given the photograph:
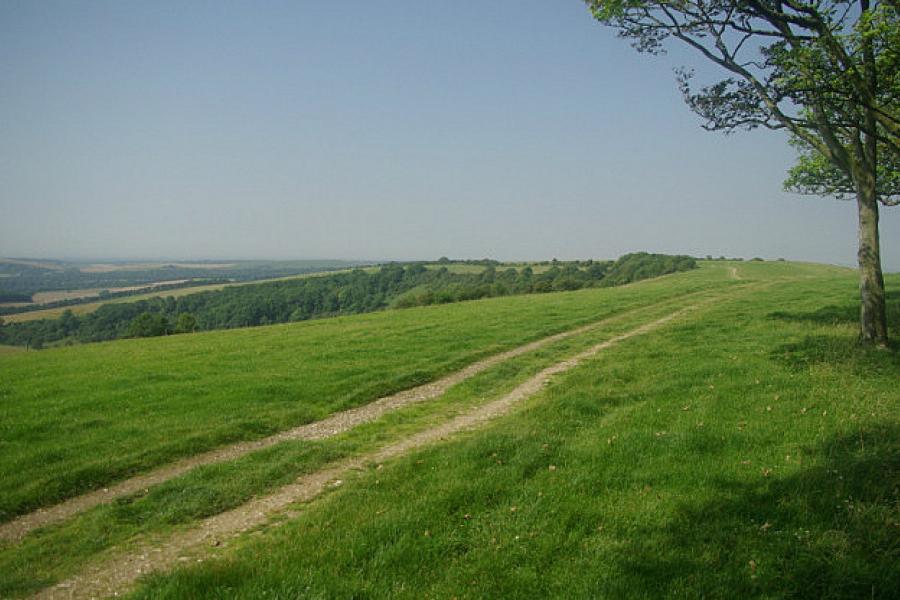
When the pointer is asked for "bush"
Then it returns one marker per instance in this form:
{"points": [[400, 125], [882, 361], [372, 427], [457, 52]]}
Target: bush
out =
{"points": [[148, 325], [186, 323]]}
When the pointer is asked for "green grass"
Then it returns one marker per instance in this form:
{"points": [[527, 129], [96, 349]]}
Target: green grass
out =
{"points": [[47, 556], [752, 450], [754, 430], [74, 419]]}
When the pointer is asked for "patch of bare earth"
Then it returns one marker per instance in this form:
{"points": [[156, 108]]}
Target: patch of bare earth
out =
{"points": [[118, 573]]}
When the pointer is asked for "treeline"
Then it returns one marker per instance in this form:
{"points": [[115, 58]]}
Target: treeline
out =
{"points": [[394, 285]]}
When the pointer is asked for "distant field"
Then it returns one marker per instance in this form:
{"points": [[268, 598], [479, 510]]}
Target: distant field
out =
{"points": [[89, 307], [455, 268], [55, 296], [109, 268], [50, 281]]}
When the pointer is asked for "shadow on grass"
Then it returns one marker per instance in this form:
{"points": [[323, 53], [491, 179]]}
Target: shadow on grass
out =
{"points": [[842, 351], [837, 349], [830, 531], [844, 314]]}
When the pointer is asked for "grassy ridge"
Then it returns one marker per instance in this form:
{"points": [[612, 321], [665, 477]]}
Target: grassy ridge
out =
{"points": [[751, 451], [78, 418]]}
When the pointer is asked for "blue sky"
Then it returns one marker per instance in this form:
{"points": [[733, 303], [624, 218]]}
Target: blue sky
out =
{"points": [[380, 130]]}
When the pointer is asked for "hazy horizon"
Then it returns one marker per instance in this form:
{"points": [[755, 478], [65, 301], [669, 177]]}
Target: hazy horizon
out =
{"points": [[226, 259], [509, 130]]}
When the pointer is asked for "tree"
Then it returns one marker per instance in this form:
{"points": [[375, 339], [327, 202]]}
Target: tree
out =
{"points": [[68, 323], [148, 325], [186, 323], [826, 71], [815, 175]]}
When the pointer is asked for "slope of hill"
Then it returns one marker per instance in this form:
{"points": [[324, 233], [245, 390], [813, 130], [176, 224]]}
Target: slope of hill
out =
{"points": [[723, 435]]}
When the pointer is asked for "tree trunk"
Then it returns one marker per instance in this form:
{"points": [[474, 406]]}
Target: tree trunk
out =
{"points": [[873, 316], [873, 313]]}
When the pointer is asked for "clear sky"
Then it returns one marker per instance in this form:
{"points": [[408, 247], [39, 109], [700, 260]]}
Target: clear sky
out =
{"points": [[512, 129]]}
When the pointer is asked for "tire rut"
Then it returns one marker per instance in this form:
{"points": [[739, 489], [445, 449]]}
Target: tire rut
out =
{"points": [[118, 573], [18, 528]]}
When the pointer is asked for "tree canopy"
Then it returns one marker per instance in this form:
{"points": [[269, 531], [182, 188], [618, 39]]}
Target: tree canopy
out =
{"points": [[826, 71], [815, 175], [792, 65]]}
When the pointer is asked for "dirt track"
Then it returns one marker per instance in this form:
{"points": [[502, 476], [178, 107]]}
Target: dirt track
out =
{"points": [[119, 572], [337, 423]]}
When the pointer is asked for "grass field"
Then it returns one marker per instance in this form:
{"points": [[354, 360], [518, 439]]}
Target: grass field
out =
{"points": [[133, 404], [48, 555], [751, 452], [747, 449]]}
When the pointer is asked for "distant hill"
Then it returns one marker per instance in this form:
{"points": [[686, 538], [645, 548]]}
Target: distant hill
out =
{"points": [[341, 293]]}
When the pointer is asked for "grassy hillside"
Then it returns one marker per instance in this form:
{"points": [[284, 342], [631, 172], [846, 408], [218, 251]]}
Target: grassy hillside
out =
{"points": [[748, 448], [753, 451], [133, 404]]}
